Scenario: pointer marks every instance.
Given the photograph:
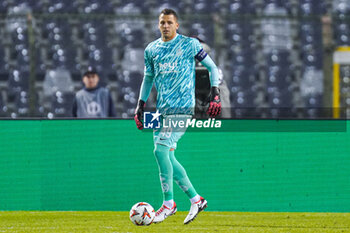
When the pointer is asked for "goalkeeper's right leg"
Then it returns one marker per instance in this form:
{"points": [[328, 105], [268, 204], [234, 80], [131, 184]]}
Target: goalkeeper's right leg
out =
{"points": [[168, 208], [161, 153]]}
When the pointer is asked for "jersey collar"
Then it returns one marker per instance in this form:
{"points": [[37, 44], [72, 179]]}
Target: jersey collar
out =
{"points": [[169, 41]]}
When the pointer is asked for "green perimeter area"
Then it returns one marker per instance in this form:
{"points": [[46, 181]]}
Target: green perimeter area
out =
{"points": [[108, 221], [108, 165]]}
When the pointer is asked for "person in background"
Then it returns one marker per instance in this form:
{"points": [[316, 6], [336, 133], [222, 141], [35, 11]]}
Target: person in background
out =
{"points": [[93, 101]]}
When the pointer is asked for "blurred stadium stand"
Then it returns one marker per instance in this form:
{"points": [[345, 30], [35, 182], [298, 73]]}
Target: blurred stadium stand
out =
{"points": [[272, 52]]}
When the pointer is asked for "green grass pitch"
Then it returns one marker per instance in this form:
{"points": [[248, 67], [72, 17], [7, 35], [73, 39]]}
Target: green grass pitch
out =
{"points": [[107, 221]]}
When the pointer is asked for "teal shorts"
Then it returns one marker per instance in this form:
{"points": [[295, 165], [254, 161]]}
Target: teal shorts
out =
{"points": [[172, 128]]}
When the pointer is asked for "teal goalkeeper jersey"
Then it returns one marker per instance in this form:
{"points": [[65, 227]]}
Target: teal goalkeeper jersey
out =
{"points": [[172, 66]]}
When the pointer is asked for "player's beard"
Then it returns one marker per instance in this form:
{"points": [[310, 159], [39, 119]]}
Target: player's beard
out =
{"points": [[167, 35]]}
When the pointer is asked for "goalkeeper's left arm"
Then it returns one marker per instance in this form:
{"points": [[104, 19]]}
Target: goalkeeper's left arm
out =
{"points": [[215, 102], [145, 91]]}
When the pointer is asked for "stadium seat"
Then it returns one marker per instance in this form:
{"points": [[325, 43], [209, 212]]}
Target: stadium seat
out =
{"points": [[20, 35], [278, 58], [4, 6], [155, 33], [129, 96], [345, 73], [311, 27], [178, 6], [311, 33], [57, 80], [243, 103], [3, 65], [35, 6], [241, 57], [280, 102], [63, 57], [241, 7], [61, 50], [97, 6], [280, 98], [131, 59], [312, 7], [276, 34], [311, 90], [131, 33], [61, 6], [18, 81], [95, 32], [277, 3], [128, 99], [313, 106], [57, 31], [97, 52], [313, 58], [131, 79], [204, 6], [41, 61], [239, 33], [129, 85], [311, 43], [342, 33], [235, 27], [341, 7], [131, 7], [128, 111], [242, 98], [22, 104], [278, 7], [99, 57], [202, 29], [3, 107], [243, 78], [313, 101], [277, 78], [19, 46], [62, 104], [281, 113]]}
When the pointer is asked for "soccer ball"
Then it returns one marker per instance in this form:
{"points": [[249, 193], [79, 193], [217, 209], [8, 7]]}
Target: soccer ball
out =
{"points": [[142, 214]]}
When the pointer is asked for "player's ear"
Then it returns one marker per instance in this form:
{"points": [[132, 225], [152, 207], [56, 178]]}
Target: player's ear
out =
{"points": [[177, 25]]}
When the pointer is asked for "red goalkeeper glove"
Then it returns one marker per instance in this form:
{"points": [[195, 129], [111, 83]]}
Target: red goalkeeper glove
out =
{"points": [[139, 114], [215, 102]]}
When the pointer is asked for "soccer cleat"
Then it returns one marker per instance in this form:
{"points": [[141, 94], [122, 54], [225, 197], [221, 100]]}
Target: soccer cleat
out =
{"points": [[163, 213], [195, 209]]}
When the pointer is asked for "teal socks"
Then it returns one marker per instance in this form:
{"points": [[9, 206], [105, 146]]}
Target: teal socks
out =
{"points": [[169, 169], [165, 171]]}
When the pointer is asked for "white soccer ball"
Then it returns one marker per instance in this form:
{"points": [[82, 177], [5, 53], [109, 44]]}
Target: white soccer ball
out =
{"points": [[142, 214]]}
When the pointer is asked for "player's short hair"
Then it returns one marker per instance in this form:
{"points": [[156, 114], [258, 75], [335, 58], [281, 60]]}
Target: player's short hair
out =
{"points": [[90, 72], [168, 11]]}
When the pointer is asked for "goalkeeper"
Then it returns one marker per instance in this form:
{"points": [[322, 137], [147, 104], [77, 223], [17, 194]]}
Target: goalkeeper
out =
{"points": [[170, 65]]}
